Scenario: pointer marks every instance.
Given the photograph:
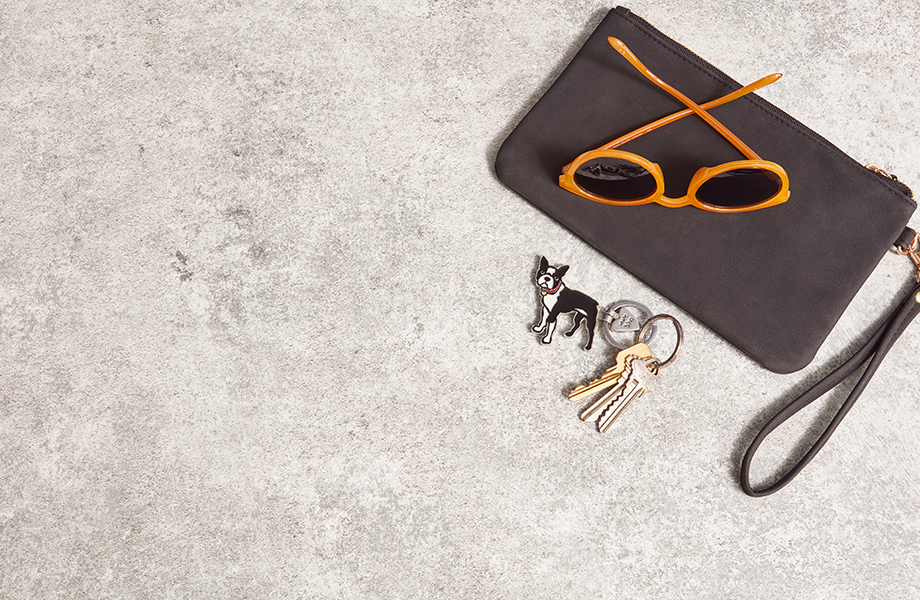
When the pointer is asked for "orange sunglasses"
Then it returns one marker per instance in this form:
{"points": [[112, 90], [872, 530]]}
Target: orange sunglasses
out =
{"points": [[625, 179]]}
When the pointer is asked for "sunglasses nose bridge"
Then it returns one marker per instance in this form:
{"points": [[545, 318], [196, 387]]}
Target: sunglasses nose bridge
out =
{"points": [[673, 202]]}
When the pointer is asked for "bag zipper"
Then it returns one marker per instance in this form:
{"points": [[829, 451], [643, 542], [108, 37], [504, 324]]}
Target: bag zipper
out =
{"points": [[893, 178], [692, 56]]}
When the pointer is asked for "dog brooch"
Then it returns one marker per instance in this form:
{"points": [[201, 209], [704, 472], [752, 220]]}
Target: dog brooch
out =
{"points": [[557, 299]]}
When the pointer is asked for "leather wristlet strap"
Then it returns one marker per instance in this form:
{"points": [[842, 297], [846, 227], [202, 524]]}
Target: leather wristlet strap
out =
{"points": [[874, 352]]}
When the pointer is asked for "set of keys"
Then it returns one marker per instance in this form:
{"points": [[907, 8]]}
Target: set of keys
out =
{"points": [[634, 373]]}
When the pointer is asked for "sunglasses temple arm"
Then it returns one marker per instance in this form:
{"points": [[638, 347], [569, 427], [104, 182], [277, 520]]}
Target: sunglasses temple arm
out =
{"points": [[765, 81], [762, 82], [728, 135]]}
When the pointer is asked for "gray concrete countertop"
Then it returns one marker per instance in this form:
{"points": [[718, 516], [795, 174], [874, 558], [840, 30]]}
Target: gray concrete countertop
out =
{"points": [[265, 317]]}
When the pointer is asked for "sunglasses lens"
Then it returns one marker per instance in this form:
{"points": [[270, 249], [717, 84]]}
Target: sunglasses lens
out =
{"points": [[615, 178], [739, 188]]}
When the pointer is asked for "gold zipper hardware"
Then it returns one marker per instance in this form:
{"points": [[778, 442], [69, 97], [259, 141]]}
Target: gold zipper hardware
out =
{"points": [[885, 173], [913, 251], [881, 171]]}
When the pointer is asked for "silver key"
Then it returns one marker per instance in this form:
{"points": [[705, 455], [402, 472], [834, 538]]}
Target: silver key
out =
{"points": [[639, 376]]}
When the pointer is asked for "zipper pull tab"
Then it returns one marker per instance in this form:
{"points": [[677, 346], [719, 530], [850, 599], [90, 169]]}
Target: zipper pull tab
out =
{"points": [[881, 171], [885, 173]]}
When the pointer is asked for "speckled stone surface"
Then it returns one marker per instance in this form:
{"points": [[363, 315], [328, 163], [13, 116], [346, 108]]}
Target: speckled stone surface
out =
{"points": [[265, 317]]}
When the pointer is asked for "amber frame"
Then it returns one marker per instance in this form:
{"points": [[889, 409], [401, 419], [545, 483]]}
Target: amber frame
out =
{"points": [[752, 160]]}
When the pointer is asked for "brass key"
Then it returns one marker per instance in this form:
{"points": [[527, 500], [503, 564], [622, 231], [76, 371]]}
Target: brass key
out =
{"points": [[634, 373], [611, 375]]}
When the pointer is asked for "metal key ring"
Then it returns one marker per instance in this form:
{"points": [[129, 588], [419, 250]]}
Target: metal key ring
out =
{"points": [[680, 336], [607, 316]]}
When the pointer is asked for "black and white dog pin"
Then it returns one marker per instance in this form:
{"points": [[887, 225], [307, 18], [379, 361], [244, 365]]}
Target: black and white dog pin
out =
{"points": [[558, 299]]}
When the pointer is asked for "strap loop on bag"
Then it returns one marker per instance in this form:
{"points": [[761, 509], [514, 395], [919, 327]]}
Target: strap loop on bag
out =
{"points": [[873, 351]]}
